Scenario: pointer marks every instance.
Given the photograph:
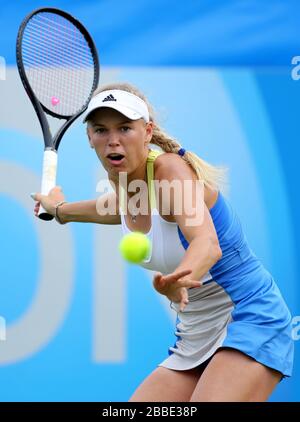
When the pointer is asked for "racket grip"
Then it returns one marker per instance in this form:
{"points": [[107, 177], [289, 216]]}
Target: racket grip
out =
{"points": [[48, 180]]}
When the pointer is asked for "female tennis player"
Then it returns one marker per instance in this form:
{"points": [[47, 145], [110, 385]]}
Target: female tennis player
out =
{"points": [[233, 327]]}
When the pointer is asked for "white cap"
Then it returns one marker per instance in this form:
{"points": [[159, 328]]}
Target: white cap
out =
{"points": [[124, 102]]}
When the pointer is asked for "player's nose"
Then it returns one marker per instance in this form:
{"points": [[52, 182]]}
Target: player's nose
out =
{"points": [[113, 138]]}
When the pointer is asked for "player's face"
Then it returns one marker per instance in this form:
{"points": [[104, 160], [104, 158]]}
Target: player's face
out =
{"points": [[121, 144]]}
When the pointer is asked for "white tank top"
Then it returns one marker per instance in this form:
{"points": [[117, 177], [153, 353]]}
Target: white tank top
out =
{"points": [[167, 250]]}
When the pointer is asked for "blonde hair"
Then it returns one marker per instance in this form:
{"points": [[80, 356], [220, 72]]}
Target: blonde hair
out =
{"points": [[212, 176]]}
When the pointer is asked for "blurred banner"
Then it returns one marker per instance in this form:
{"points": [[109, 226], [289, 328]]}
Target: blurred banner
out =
{"points": [[155, 33], [76, 322]]}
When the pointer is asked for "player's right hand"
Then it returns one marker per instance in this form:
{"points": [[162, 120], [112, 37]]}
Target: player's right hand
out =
{"points": [[48, 201]]}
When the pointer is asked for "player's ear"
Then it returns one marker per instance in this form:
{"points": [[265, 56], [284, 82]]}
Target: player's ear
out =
{"points": [[89, 137], [149, 132], [91, 143]]}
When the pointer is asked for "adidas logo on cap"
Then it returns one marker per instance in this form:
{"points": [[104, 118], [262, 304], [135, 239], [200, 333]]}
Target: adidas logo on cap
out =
{"points": [[109, 98]]}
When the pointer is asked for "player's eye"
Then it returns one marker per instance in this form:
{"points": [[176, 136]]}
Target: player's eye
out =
{"points": [[125, 128], [100, 130]]}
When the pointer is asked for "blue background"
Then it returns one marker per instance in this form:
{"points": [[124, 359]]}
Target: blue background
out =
{"points": [[219, 74], [195, 32]]}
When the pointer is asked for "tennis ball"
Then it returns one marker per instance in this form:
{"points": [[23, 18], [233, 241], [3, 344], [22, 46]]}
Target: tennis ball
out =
{"points": [[135, 247]]}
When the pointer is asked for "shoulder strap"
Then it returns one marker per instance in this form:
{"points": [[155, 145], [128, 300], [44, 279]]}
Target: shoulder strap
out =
{"points": [[153, 154]]}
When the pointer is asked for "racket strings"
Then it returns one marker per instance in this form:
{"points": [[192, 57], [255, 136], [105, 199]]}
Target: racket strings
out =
{"points": [[58, 62], [62, 50], [50, 60], [62, 34]]}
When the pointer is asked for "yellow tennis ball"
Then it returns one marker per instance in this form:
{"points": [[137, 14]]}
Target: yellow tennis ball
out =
{"points": [[135, 247]]}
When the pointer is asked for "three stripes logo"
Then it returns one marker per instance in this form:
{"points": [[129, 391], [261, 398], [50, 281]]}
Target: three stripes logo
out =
{"points": [[109, 98]]}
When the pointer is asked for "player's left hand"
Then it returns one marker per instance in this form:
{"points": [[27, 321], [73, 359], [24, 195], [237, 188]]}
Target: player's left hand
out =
{"points": [[175, 286]]}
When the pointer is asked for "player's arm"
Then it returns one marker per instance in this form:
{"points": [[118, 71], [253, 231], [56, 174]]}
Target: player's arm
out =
{"points": [[88, 211], [104, 210], [194, 219]]}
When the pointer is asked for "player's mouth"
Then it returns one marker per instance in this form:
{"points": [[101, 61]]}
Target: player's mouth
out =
{"points": [[115, 159]]}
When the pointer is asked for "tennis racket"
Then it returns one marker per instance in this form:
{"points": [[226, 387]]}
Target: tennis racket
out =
{"points": [[59, 68]]}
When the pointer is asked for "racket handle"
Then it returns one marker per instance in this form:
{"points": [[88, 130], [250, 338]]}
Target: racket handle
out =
{"points": [[48, 180]]}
